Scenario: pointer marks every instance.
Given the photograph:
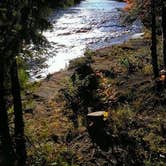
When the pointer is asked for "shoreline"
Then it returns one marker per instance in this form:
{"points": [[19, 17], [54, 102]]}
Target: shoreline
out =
{"points": [[134, 36]]}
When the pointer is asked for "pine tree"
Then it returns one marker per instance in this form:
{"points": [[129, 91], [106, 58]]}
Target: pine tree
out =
{"points": [[154, 41], [164, 30], [18, 114], [5, 139], [23, 22]]}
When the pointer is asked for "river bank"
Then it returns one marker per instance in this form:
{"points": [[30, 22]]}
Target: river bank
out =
{"points": [[135, 101]]}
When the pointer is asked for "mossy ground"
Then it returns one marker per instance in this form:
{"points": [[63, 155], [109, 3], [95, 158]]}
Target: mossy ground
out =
{"points": [[130, 96]]}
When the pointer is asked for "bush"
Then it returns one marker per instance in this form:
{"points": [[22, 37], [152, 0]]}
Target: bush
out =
{"points": [[80, 91], [23, 78]]}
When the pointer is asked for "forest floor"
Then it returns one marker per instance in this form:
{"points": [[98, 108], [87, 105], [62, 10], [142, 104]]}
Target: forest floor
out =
{"points": [[134, 104]]}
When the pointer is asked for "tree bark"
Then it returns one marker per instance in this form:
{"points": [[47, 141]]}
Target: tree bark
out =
{"points": [[164, 30], [18, 112], [6, 143], [154, 41]]}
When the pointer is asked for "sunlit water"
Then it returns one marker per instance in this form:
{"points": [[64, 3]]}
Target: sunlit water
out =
{"points": [[92, 24]]}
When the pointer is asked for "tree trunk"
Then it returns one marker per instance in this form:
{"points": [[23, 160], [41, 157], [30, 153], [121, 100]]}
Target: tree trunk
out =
{"points": [[164, 30], [18, 112], [154, 41], [5, 139]]}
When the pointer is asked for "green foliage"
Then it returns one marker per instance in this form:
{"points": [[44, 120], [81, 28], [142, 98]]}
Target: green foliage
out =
{"points": [[65, 158], [22, 24], [121, 118], [62, 3], [147, 70], [23, 77], [80, 91], [141, 9], [154, 163], [130, 16], [80, 62], [10, 110], [128, 65]]}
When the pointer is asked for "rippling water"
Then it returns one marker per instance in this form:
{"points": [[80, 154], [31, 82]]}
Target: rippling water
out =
{"points": [[91, 24]]}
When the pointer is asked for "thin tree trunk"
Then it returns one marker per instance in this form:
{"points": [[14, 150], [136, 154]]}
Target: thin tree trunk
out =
{"points": [[6, 143], [154, 41], [18, 112], [164, 30]]}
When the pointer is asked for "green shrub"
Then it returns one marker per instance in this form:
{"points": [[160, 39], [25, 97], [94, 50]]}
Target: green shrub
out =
{"points": [[80, 91], [128, 64], [122, 117], [23, 78]]}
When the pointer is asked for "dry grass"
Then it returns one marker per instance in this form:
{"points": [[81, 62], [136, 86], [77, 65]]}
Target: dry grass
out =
{"points": [[127, 89]]}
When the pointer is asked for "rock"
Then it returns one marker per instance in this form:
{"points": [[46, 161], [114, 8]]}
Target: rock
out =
{"points": [[39, 76], [138, 35], [65, 34], [83, 30]]}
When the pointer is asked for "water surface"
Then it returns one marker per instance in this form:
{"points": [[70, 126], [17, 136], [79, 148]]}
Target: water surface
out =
{"points": [[91, 24]]}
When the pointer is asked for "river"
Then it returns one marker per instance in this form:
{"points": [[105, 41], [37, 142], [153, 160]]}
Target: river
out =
{"points": [[92, 24]]}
